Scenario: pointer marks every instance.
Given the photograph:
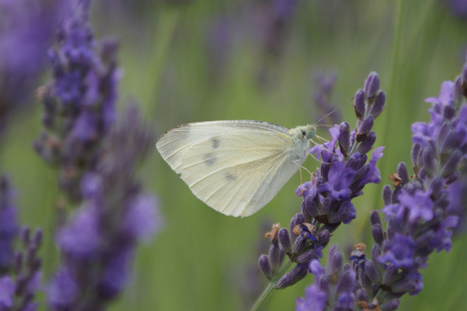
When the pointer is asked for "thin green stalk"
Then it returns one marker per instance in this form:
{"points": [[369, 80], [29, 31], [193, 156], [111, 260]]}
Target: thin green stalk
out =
{"points": [[271, 286]]}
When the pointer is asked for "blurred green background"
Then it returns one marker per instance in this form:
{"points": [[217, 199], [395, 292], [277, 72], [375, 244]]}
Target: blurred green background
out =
{"points": [[201, 60]]}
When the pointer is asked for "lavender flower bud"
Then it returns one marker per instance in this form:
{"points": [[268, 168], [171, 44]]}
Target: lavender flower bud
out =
{"points": [[306, 257], [391, 305], [452, 178], [371, 272], [296, 274], [430, 163], [402, 172], [37, 238], [437, 185], [274, 258], [451, 164], [284, 240], [379, 104], [389, 275], [366, 125], [26, 236], [375, 254], [415, 153], [344, 136], [264, 266], [387, 194], [309, 208], [298, 219], [362, 295], [299, 245], [372, 85], [339, 216], [402, 286], [359, 104], [346, 282], [334, 261], [375, 219], [18, 262], [377, 234], [324, 236], [284, 282], [458, 93], [367, 143]]}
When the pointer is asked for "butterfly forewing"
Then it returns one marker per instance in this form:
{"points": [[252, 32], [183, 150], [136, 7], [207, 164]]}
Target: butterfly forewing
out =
{"points": [[235, 167]]}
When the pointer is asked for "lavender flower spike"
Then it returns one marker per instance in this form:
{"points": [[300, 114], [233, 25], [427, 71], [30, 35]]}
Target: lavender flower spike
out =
{"points": [[79, 103], [116, 214]]}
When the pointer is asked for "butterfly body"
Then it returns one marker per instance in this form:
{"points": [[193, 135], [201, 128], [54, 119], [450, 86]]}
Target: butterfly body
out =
{"points": [[235, 167]]}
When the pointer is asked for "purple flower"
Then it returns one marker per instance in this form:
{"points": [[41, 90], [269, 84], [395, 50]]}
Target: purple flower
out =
{"points": [[9, 228], [315, 299], [79, 103], [63, 289], [82, 238], [7, 290], [98, 243], [419, 204], [402, 249], [340, 179], [25, 33]]}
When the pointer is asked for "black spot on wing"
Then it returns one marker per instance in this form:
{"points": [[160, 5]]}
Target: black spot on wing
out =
{"points": [[215, 142], [209, 159], [230, 176]]}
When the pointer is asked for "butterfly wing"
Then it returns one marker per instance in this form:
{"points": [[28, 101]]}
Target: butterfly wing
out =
{"points": [[235, 167]]}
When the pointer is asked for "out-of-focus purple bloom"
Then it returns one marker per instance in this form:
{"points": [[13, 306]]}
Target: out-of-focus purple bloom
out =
{"points": [[7, 290], [25, 33], [315, 299], [19, 287], [458, 8], [79, 103], [98, 244], [9, 228]]}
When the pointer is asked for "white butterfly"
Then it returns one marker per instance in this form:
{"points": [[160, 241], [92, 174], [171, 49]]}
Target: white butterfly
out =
{"points": [[235, 167]]}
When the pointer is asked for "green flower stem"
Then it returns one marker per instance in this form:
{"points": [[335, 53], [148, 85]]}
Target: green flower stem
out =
{"points": [[271, 286]]}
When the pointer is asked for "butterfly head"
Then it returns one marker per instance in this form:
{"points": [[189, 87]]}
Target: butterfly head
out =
{"points": [[310, 131]]}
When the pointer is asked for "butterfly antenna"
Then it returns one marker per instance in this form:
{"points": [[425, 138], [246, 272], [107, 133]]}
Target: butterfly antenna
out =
{"points": [[340, 106]]}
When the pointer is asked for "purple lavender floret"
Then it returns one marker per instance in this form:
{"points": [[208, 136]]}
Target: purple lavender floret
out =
{"points": [[79, 103], [333, 286], [116, 213], [9, 228], [25, 33], [18, 287]]}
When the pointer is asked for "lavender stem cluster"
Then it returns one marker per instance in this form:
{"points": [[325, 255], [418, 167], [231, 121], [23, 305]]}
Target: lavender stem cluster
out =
{"points": [[20, 273], [419, 221], [99, 242], [79, 103], [327, 199]]}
